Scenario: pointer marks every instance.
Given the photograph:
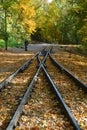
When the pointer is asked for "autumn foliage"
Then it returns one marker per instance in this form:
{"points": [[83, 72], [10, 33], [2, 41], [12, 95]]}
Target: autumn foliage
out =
{"points": [[58, 21]]}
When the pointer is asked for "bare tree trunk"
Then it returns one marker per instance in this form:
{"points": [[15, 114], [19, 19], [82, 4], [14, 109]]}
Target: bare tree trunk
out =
{"points": [[6, 35]]}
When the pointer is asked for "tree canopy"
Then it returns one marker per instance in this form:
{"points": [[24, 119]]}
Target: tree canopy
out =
{"points": [[58, 21]]}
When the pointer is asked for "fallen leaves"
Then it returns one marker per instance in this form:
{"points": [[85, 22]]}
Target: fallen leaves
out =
{"points": [[9, 62], [43, 110], [42, 114], [73, 95], [77, 64], [11, 96], [3, 109]]}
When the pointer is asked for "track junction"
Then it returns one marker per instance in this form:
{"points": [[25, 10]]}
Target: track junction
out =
{"points": [[43, 99]]}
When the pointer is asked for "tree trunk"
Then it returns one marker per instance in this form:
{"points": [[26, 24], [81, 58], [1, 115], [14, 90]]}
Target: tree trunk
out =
{"points": [[6, 34]]}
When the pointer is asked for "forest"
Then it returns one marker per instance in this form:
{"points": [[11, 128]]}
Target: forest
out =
{"points": [[51, 21], [43, 64]]}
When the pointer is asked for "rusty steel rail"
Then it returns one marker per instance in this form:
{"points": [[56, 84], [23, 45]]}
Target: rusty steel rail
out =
{"points": [[62, 68], [17, 114], [67, 110], [24, 100], [65, 107], [44, 53], [20, 69], [5, 82]]}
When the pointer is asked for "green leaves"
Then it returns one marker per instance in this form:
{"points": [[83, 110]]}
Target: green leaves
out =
{"points": [[59, 21], [7, 4]]}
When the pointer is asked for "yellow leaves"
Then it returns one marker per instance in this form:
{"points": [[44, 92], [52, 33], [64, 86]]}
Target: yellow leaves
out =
{"points": [[26, 8], [3, 109], [24, 17], [22, 128], [29, 25], [32, 25], [17, 129], [35, 128], [22, 7], [31, 12]]}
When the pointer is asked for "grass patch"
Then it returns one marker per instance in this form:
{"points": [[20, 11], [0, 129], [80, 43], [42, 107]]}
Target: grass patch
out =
{"points": [[11, 43], [2, 43]]}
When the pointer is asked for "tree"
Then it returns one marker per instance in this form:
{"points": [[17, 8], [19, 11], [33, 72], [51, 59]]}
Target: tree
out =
{"points": [[81, 13], [23, 23], [4, 10], [18, 19], [73, 20], [48, 17]]}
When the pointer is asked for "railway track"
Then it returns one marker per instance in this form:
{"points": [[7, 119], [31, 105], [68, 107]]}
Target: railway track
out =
{"points": [[43, 110], [13, 89], [36, 102], [20, 69], [9, 62], [76, 64], [73, 91]]}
